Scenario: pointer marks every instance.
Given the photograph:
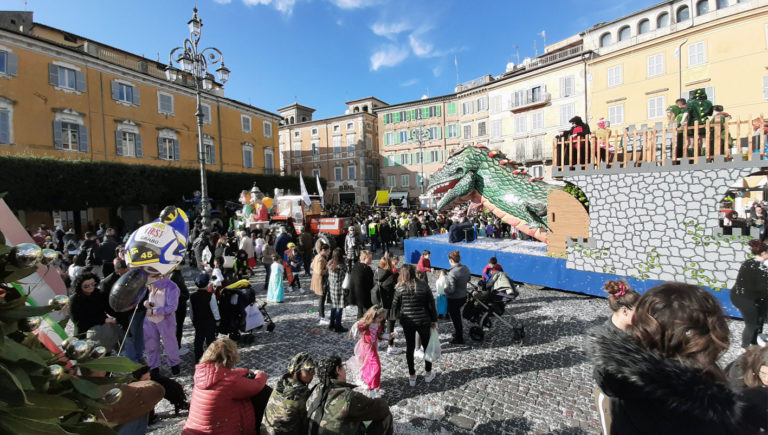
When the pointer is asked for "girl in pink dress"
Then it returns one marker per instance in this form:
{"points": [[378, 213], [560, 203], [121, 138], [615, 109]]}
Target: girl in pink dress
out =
{"points": [[366, 350]]}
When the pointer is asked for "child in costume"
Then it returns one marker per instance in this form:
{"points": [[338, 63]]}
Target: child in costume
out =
{"points": [[292, 261], [160, 323], [275, 288], [369, 330], [442, 300]]}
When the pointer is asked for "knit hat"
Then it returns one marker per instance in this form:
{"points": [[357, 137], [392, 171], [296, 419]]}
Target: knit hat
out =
{"points": [[202, 280], [302, 361]]}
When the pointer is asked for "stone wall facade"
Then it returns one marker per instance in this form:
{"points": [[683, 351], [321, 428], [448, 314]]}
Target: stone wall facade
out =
{"points": [[645, 222]]}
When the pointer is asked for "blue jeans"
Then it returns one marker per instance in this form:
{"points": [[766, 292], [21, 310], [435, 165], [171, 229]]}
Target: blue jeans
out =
{"points": [[134, 427], [336, 317], [134, 342]]}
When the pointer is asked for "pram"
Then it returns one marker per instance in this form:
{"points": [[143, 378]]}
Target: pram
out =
{"points": [[490, 301], [241, 312]]}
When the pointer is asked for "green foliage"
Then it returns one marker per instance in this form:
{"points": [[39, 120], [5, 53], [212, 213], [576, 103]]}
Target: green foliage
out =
{"points": [[577, 193], [705, 278], [651, 262], [38, 183], [38, 393]]}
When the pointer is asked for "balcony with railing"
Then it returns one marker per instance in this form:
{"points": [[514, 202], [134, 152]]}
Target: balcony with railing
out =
{"points": [[529, 100], [734, 142]]}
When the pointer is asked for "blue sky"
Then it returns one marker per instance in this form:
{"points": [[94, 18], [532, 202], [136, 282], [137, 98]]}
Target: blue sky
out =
{"points": [[325, 52]]}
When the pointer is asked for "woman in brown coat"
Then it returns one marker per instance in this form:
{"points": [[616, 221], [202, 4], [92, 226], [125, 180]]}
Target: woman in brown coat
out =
{"points": [[319, 283]]}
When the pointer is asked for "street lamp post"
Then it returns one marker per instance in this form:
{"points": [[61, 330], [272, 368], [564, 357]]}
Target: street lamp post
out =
{"points": [[422, 135], [194, 62]]}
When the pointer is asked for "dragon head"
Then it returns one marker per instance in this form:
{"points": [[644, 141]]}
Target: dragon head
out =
{"points": [[458, 178]]}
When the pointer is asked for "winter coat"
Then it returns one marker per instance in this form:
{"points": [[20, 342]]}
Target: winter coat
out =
{"points": [[650, 394], [335, 280], [282, 241], [319, 271], [352, 245], [456, 232], [221, 401], [415, 307], [343, 410], [306, 244], [387, 282], [457, 278], [362, 283], [286, 411], [88, 311], [137, 399], [752, 280]]}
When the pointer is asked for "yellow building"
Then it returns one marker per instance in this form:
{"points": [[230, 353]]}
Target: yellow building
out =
{"points": [[648, 59], [65, 96], [342, 149]]}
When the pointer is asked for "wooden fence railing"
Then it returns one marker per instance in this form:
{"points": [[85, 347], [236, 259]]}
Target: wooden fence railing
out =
{"points": [[734, 139]]}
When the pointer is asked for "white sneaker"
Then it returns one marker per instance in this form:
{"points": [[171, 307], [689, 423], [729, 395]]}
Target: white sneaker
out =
{"points": [[301, 290], [428, 376], [412, 381], [372, 394], [391, 350], [324, 321], [183, 351], [418, 354]]}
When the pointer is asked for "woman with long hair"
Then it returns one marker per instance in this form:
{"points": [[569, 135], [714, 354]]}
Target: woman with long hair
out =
{"points": [[415, 307], [662, 375], [226, 400], [387, 280], [337, 271], [750, 292], [622, 300]]}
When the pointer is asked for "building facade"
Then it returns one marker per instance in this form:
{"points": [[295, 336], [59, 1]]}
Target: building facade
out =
{"points": [[68, 97], [342, 149], [414, 139], [650, 58]]}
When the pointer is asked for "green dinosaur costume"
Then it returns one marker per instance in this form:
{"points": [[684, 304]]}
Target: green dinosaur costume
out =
{"points": [[698, 108], [286, 411], [341, 410], [478, 174]]}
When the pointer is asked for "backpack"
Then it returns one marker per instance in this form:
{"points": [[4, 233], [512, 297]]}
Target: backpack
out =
{"points": [[376, 290]]}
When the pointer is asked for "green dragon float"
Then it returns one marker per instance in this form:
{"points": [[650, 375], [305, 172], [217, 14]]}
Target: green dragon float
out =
{"points": [[480, 175]]}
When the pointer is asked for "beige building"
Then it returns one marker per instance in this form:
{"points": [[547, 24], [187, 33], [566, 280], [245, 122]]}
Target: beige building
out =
{"points": [[342, 149], [404, 158], [650, 58]]}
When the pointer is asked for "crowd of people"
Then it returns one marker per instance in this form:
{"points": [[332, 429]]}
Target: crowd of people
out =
{"points": [[657, 355]]}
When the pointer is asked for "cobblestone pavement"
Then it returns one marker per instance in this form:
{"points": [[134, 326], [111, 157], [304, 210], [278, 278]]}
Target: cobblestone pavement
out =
{"points": [[492, 387]]}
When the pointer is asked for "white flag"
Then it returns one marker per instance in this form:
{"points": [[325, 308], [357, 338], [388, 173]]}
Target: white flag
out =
{"points": [[320, 191], [304, 193]]}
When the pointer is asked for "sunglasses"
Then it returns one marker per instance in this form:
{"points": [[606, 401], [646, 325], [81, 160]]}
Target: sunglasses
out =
{"points": [[91, 285]]}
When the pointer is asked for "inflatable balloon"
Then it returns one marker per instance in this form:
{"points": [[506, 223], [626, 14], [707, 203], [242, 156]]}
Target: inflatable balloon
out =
{"points": [[177, 219], [155, 247], [128, 290]]}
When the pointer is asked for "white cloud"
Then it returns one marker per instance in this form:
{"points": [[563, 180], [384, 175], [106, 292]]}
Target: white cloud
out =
{"points": [[284, 6], [223, 2], [352, 4], [436, 71], [420, 48], [390, 30], [388, 56], [407, 83]]}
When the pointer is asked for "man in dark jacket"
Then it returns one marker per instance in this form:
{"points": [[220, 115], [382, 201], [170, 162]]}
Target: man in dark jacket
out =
{"points": [[282, 241], [205, 315], [361, 277], [306, 247], [181, 310], [334, 407], [456, 232], [88, 249], [413, 227], [105, 253], [456, 291]]}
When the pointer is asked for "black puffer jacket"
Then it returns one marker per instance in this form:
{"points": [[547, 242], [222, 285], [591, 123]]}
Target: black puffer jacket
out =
{"points": [[387, 282], [415, 307], [650, 394]]}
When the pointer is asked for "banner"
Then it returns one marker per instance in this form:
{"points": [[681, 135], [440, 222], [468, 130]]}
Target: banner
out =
{"points": [[320, 191], [304, 193], [382, 197]]}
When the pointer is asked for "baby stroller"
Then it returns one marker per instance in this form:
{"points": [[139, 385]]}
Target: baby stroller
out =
{"points": [[485, 303], [241, 312]]}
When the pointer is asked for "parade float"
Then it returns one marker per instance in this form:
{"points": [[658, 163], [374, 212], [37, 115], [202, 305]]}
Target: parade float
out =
{"points": [[655, 210]]}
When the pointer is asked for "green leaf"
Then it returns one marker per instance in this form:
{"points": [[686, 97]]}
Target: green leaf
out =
{"points": [[23, 313], [23, 426], [6, 373], [118, 364], [45, 406], [86, 388], [13, 351], [13, 273], [89, 429]]}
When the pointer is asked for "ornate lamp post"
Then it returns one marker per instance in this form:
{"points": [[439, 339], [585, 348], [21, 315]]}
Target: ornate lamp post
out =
{"points": [[194, 61], [422, 135]]}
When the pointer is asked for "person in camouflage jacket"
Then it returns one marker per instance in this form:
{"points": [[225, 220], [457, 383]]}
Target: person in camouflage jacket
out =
{"points": [[335, 408], [286, 411]]}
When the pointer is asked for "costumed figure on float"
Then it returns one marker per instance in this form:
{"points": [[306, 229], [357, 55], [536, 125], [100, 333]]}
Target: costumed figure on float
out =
{"points": [[255, 211], [154, 251]]}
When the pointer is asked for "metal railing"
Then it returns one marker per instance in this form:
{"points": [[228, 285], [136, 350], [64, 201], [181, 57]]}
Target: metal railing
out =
{"points": [[734, 140]]}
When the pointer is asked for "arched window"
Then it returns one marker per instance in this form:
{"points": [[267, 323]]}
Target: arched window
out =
{"points": [[662, 20], [365, 108], [292, 120], [625, 33], [683, 14], [702, 7], [605, 40], [644, 26], [722, 4]]}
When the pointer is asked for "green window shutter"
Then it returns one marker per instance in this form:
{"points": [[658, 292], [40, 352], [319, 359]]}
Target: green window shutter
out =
{"points": [[396, 117], [451, 108], [407, 115], [397, 138], [438, 110], [413, 114], [440, 156], [439, 133], [428, 157], [424, 112], [386, 161], [397, 159], [384, 119]]}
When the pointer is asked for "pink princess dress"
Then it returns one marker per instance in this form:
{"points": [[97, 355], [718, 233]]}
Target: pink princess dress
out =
{"points": [[367, 354]]}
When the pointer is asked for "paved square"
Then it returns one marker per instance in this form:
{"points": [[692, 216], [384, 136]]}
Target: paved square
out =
{"points": [[492, 387]]}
